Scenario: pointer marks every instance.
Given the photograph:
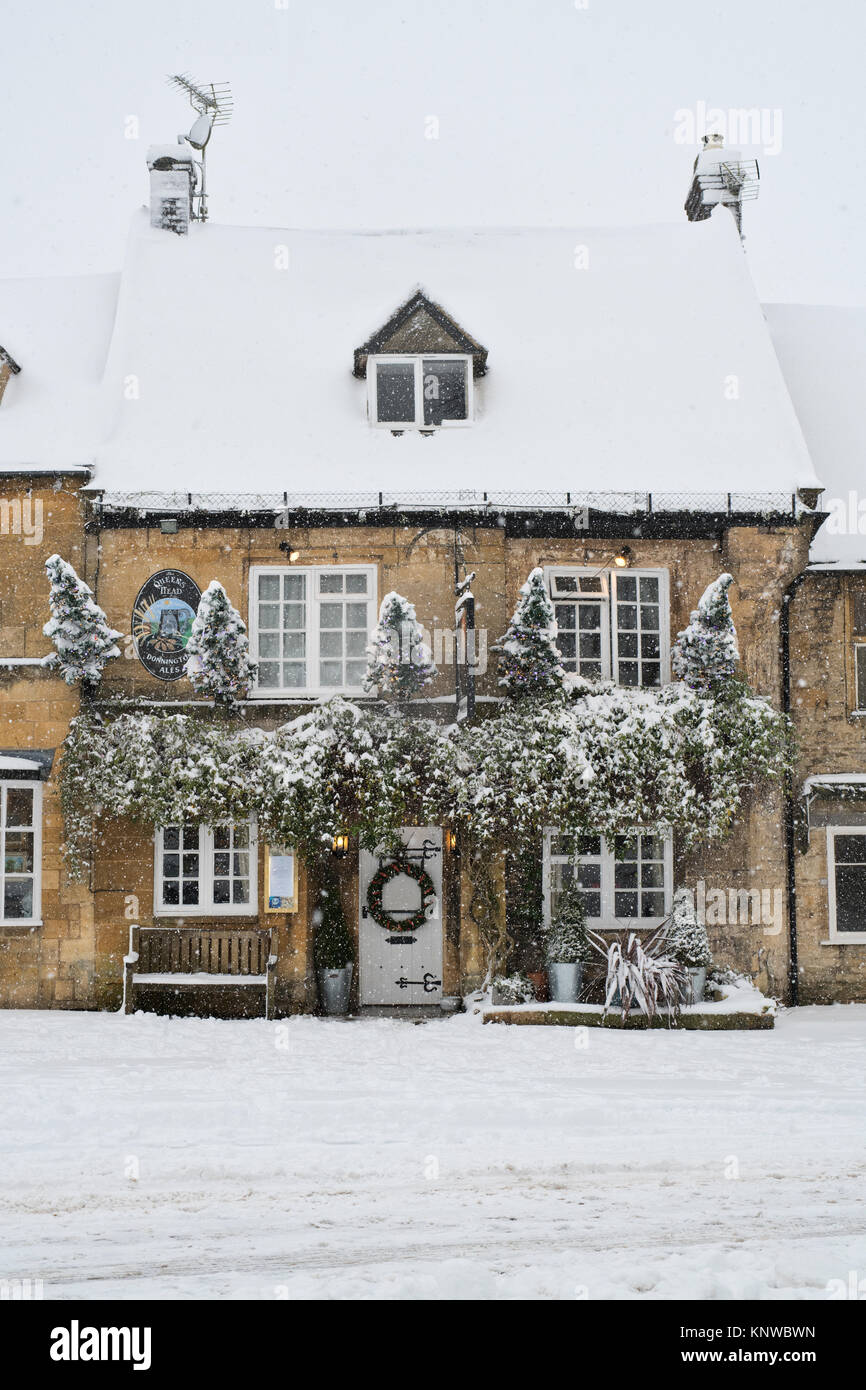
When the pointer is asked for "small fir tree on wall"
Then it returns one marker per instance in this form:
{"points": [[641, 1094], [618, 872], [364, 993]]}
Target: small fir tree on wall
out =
{"points": [[528, 657], [705, 655], [219, 664], [78, 627], [399, 665]]}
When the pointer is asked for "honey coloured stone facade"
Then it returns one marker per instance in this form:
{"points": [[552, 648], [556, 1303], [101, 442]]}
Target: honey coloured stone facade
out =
{"points": [[75, 958], [826, 622]]}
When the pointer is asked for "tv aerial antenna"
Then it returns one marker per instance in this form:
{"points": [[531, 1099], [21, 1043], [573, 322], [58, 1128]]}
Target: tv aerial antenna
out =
{"points": [[213, 105]]}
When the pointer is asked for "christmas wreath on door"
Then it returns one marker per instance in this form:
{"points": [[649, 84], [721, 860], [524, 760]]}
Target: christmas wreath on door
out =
{"points": [[384, 874]]}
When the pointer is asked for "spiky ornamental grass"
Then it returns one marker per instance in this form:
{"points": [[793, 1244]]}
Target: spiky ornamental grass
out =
{"points": [[642, 973], [83, 640]]}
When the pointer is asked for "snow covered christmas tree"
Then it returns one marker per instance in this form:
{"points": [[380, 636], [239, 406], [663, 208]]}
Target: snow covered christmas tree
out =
{"points": [[78, 628], [705, 654], [528, 658], [685, 935], [218, 651], [399, 665]]}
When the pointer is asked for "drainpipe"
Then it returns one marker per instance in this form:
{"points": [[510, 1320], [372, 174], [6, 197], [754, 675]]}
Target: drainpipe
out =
{"points": [[790, 850]]}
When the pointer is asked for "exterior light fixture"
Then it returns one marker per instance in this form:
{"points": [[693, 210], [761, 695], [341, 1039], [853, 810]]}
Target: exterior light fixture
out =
{"points": [[340, 847], [451, 840], [289, 549], [622, 558], [168, 525]]}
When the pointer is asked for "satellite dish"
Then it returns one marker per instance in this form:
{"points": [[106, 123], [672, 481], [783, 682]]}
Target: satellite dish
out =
{"points": [[212, 103], [200, 132]]}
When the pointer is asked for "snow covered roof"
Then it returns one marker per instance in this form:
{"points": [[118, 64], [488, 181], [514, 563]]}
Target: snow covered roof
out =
{"points": [[823, 781], [822, 351], [627, 360], [58, 331]]}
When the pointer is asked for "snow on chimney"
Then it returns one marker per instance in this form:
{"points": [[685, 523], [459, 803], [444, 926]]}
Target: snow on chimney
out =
{"points": [[721, 176], [8, 367], [172, 183]]}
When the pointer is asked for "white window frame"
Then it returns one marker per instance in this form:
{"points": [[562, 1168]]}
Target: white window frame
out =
{"points": [[844, 938], [313, 575], [608, 920], [417, 360], [35, 920], [206, 876], [608, 601]]}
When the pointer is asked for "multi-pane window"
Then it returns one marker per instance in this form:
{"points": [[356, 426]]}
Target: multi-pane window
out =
{"points": [[20, 859], [581, 610], [282, 630], [857, 615], [623, 878], [205, 869], [311, 626], [612, 624], [343, 629], [420, 392], [860, 674], [638, 629], [846, 870]]}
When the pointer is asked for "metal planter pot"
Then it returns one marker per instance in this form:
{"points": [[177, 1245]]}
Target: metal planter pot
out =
{"points": [[565, 981], [334, 987], [696, 980]]}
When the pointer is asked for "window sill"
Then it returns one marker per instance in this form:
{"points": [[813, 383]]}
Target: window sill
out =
{"points": [[11, 927], [260, 697], [853, 939], [396, 428], [166, 914]]}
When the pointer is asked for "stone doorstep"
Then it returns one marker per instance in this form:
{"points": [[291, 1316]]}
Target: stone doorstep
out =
{"points": [[704, 1020], [408, 1013]]}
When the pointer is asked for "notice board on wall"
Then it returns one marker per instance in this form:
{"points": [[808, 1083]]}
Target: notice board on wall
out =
{"points": [[281, 879]]}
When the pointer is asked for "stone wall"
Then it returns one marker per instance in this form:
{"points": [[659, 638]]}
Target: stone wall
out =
{"points": [[831, 739], [75, 958], [51, 965]]}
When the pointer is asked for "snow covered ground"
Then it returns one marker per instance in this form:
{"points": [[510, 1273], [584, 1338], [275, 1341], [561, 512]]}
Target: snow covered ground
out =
{"points": [[148, 1158]]}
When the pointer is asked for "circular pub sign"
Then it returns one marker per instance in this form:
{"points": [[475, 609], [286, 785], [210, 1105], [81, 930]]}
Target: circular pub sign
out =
{"points": [[162, 621]]}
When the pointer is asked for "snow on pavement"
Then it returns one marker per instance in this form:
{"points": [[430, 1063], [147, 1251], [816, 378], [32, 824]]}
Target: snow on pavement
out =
{"points": [[153, 1158]]}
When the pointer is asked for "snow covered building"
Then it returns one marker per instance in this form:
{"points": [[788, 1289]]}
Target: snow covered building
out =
{"points": [[316, 419]]}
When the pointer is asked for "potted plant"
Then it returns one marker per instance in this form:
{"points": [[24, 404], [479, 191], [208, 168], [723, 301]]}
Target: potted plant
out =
{"points": [[686, 940], [512, 989], [567, 945], [332, 948], [641, 975]]}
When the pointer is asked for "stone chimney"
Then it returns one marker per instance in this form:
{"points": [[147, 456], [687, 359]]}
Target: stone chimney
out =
{"points": [[172, 184], [8, 367], [721, 176]]}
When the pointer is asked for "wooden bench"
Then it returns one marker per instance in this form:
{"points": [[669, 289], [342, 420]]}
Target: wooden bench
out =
{"points": [[190, 957]]}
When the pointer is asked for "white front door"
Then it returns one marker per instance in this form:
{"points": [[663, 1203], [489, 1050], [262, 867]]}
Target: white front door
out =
{"points": [[398, 963]]}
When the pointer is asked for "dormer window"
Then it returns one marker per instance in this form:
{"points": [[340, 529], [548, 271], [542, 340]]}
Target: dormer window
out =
{"points": [[414, 392], [420, 368]]}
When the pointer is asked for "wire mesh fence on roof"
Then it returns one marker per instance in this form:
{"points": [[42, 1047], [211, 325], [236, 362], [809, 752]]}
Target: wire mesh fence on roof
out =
{"points": [[617, 503]]}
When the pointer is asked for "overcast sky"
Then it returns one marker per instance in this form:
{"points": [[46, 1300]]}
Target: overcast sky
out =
{"points": [[549, 112]]}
